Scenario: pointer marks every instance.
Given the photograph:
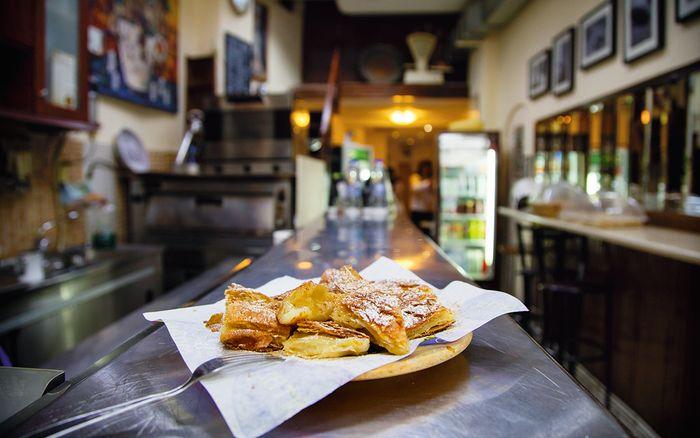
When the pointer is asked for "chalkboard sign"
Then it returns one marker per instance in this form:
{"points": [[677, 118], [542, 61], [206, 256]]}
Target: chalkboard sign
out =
{"points": [[239, 55]]}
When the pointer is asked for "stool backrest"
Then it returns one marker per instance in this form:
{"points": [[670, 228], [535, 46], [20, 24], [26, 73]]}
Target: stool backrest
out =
{"points": [[524, 235], [560, 257]]}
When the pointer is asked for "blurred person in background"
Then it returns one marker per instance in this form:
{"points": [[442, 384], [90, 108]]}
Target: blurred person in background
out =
{"points": [[422, 200]]}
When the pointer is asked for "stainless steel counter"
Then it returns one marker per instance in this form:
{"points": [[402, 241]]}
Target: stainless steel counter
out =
{"points": [[502, 385], [41, 320]]}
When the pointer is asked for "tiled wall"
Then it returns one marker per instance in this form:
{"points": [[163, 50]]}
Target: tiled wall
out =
{"points": [[162, 161], [21, 214]]}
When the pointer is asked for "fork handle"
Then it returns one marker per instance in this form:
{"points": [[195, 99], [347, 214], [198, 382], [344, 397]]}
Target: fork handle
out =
{"points": [[77, 422]]}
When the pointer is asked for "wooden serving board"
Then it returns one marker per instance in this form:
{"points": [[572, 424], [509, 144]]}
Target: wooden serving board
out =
{"points": [[424, 357]]}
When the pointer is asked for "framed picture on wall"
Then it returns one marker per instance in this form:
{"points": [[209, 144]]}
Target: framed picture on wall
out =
{"points": [[644, 27], [687, 10], [260, 43], [597, 35], [563, 62], [539, 74]]}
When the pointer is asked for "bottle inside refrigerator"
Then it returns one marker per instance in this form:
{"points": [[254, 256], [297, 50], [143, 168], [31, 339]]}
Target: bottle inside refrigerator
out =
{"points": [[467, 201]]}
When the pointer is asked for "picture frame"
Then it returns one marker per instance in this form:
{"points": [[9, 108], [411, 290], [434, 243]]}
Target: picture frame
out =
{"points": [[539, 74], [562, 65], [644, 27], [687, 10], [597, 35], [260, 22]]}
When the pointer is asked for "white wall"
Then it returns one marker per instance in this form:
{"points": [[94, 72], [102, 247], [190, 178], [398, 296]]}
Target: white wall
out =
{"points": [[203, 24], [499, 68], [284, 40]]}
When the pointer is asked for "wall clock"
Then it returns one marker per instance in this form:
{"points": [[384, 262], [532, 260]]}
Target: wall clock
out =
{"points": [[240, 6]]}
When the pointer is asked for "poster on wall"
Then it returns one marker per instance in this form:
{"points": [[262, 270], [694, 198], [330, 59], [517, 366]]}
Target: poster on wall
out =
{"points": [[133, 50]]}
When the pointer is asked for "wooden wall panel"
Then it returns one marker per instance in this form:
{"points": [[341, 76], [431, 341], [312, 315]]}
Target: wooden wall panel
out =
{"points": [[325, 28], [656, 329]]}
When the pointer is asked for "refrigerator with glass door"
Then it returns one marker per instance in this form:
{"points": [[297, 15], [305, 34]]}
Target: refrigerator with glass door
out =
{"points": [[467, 165]]}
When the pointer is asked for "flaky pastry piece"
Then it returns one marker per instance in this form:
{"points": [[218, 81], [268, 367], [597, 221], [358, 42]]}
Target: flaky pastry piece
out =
{"points": [[250, 321], [310, 301], [343, 280], [377, 312], [316, 340], [421, 310]]}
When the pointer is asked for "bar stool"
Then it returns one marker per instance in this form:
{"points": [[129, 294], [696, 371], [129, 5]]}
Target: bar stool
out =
{"points": [[564, 285], [528, 274]]}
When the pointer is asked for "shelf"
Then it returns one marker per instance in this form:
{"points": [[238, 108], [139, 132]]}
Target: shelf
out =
{"points": [[460, 216], [364, 89], [47, 121], [477, 243]]}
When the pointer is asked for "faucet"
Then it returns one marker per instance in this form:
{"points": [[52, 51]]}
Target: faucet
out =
{"points": [[42, 242], [195, 118]]}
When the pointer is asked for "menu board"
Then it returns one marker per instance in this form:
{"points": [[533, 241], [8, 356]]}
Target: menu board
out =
{"points": [[239, 55]]}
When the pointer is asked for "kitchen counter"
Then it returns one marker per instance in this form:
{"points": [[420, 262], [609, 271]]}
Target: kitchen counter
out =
{"points": [[679, 245], [41, 320], [504, 384], [100, 259]]}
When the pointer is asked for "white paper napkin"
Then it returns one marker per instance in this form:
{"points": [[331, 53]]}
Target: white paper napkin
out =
{"points": [[254, 401]]}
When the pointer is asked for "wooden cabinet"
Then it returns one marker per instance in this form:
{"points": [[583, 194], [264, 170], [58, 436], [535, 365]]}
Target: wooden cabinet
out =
{"points": [[43, 43]]}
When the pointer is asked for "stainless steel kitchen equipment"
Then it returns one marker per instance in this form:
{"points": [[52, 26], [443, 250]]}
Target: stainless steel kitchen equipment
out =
{"points": [[241, 194], [42, 319]]}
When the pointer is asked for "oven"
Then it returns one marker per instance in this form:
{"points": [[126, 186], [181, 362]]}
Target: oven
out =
{"points": [[241, 193]]}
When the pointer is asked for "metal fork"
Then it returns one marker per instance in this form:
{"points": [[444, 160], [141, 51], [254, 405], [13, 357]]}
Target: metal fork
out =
{"points": [[212, 366]]}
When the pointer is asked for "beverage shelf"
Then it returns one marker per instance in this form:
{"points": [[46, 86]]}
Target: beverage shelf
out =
{"points": [[463, 242], [461, 216]]}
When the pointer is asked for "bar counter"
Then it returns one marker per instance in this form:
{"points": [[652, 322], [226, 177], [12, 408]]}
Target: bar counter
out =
{"points": [[651, 274], [504, 384], [678, 245]]}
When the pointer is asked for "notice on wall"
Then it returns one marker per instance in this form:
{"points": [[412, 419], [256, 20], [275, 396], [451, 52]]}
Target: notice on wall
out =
{"points": [[64, 82]]}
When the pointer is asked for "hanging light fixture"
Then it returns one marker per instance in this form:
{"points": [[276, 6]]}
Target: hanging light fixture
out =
{"points": [[404, 116]]}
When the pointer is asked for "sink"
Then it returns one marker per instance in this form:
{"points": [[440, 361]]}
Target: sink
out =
{"points": [[53, 264]]}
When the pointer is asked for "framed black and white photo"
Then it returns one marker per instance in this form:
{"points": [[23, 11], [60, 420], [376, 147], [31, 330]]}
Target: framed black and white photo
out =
{"points": [[563, 62], [687, 10], [539, 74], [644, 27], [597, 35]]}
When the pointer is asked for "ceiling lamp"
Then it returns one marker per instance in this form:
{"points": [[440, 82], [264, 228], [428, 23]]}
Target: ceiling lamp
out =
{"points": [[402, 116]]}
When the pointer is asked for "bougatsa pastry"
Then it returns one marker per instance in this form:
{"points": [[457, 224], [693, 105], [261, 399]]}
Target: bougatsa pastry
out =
{"points": [[377, 312], [422, 312], [316, 340], [310, 301], [343, 280], [390, 311], [250, 321]]}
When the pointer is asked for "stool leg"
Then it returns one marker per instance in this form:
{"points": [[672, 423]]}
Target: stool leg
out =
{"points": [[609, 308], [527, 298], [608, 346]]}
